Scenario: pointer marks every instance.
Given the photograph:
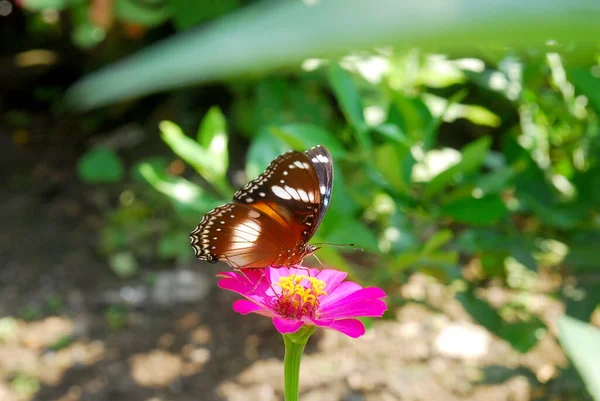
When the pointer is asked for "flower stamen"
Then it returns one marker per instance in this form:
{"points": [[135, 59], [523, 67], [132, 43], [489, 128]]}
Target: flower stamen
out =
{"points": [[299, 296]]}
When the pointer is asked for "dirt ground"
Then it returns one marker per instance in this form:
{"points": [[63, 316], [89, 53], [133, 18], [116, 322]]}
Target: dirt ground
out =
{"points": [[70, 330]]}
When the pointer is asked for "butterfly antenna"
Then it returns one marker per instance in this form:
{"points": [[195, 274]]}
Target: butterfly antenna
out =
{"points": [[338, 245]]}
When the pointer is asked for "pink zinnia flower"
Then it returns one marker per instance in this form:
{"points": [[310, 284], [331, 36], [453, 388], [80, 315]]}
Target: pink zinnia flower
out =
{"points": [[298, 296]]}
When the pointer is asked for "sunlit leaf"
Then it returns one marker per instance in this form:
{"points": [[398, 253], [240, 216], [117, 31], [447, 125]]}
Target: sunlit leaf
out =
{"points": [[137, 13], [473, 155], [347, 95], [212, 135], [272, 35], [187, 197], [581, 342], [207, 163]]}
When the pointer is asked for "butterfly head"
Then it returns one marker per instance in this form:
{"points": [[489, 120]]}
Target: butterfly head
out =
{"points": [[309, 249]]}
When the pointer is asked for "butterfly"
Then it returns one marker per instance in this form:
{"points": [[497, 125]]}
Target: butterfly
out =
{"points": [[272, 218]]}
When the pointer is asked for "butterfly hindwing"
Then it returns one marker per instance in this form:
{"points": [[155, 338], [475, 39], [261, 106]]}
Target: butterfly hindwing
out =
{"points": [[241, 235]]}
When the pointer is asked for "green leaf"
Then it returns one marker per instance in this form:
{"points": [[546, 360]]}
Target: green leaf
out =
{"points": [[187, 13], [523, 335], [304, 136], [174, 245], [582, 301], [140, 13], [100, 165], [262, 151], [482, 211], [341, 198], [187, 198], [583, 258], [437, 240], [347, 230], [212, 136], [348, 97], [271, 35], [586, 83], [411, 114], [480, 310], [496, 181], [581, 343], [473, 156], [561, 216], [40, 5], [123, 264], [394, 162], [205, 162]]}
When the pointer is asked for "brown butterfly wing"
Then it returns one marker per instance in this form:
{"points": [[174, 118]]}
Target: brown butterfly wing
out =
{"points": [[294, 190], [243, 236], [272, 217]]}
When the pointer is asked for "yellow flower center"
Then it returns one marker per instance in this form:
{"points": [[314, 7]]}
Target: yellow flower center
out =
{"points": [[299, 296]]}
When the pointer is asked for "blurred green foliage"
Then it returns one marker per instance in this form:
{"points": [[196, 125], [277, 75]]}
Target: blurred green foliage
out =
{"points": [[505, 203], [479, 170]]}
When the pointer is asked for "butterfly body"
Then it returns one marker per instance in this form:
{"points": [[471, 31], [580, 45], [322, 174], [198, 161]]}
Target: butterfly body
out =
{"points": [[271, 218]]}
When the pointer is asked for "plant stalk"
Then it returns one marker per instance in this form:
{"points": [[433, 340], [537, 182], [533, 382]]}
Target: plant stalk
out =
{"points": [[294, 348]]}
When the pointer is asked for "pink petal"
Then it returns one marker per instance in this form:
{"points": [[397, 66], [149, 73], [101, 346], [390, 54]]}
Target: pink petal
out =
{"points": [[243, 287], [285, 326], [371, 308], [243, 306], [274, 273], [364, 294], [341, 291], [332, 278], [350, 327]]}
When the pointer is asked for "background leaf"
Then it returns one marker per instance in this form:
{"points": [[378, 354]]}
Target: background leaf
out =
{"points": [[100, 165], [582, 343]]}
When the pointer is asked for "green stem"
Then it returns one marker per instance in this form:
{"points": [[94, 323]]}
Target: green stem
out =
{"points": [[294, 347]]}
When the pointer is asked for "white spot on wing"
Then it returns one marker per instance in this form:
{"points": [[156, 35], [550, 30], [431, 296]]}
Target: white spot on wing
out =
{"points": [[303, 195], [292, 192], [249, 230], [280, 192], [254, 214], [323, 189]]}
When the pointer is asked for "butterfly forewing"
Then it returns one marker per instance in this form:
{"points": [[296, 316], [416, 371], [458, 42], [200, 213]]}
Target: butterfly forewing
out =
{"points": [[241, 235], [296, 187], [323, 165]]}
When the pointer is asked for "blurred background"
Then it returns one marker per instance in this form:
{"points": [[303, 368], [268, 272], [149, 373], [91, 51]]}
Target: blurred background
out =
{"points": [[466, 142]]}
